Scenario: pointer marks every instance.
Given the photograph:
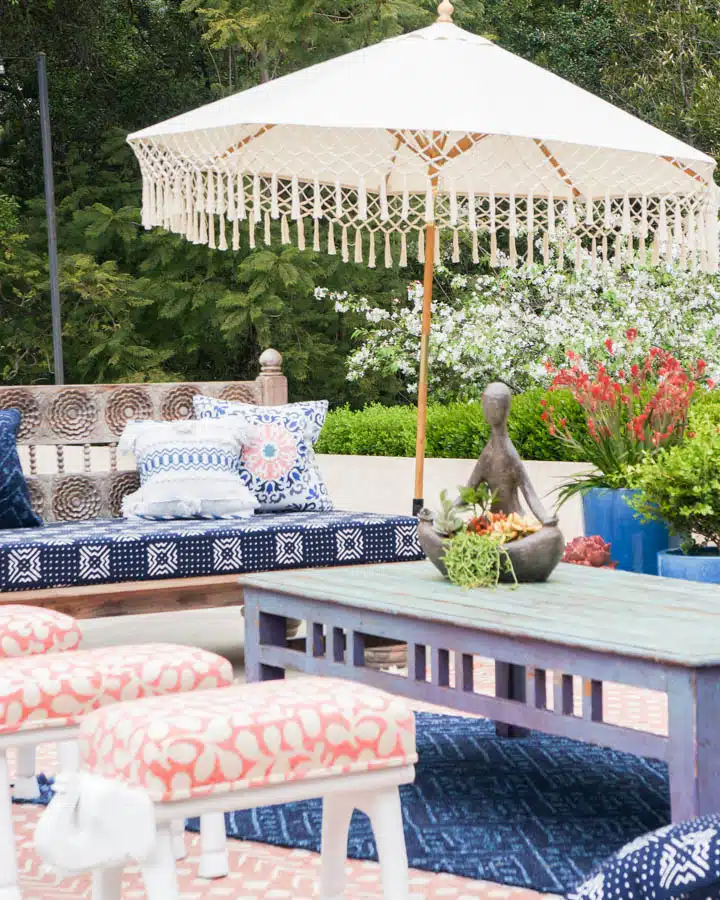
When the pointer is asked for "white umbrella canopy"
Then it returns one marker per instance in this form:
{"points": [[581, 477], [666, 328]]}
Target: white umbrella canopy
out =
{"points": [[436, 131]]}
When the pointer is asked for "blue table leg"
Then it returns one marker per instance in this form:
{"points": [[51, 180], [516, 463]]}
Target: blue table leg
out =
{"points": [[510, 683]]}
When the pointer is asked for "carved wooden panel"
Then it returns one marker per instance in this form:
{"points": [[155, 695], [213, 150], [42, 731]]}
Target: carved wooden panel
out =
{"points": [[77, 495], [97, 414]]}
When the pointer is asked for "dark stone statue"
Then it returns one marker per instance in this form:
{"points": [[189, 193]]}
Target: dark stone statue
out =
{"points": [[499, 466]]}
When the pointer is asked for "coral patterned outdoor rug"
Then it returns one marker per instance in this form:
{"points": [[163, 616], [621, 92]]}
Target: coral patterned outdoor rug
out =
{"points": [[538, 812]]}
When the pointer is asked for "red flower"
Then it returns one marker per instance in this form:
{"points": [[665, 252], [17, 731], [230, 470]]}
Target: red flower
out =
{"points": [[609, 345], [710, 383], [631, 334]]}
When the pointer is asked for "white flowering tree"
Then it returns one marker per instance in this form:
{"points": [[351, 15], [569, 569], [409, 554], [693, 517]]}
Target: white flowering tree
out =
{"points": [[508, 325]]}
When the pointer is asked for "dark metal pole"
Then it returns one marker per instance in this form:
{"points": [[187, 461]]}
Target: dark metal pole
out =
{"points": [[50, 212]]}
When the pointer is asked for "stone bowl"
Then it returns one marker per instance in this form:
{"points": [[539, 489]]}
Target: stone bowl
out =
{"points": [[533, 557]]}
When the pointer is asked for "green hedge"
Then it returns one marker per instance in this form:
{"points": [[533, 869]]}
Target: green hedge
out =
{"points": [[456, 430]]}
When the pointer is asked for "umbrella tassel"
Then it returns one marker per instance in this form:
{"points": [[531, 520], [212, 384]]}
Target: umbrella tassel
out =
{"points": [[295, 199], [530, 258], [236, 234], [551, 215], [475, 248], [231, 211], [251, 231], [593, 256], [210, 194], [655, 258], [421, 246], [241, 210], [513, 251], [455, 247], [220, 204], [530, 214], [472, 217], [605, 251], [491, 212], [301, 233], [331, 239], [617, 261], [384, 213], [256, 196], [678, 230], [223, 244], [316, 235], [274, 201], [358, 246], [626, 220], [284, 231], [429, 202], [268, 234], [203, 229], [662, 229], [578, 255], [607, 221], [403, 250], [589, 210], [338, 199], [630, 250], [571, 218], [513, 217], [561, 254], [493, 250], [546, 248], [642, 250], [388, 252], [361, 199], [344, 244], [436, 254], [453, 204], [405, 212], [371, 255], [317, 200]]}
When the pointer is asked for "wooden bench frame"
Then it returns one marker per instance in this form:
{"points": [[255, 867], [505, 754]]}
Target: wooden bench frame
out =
{"points": [[91, 416]]}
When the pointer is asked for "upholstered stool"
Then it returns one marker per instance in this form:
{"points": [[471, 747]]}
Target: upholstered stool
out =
{"points": [[236, 748], [29, 631], [45, 698]]}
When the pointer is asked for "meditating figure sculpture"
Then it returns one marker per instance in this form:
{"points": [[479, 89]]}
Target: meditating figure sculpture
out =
{"points": [[499, 465]]}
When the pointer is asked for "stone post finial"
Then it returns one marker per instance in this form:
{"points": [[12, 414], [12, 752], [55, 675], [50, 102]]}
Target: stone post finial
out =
{"points": [[270, 362], [445, 11]]}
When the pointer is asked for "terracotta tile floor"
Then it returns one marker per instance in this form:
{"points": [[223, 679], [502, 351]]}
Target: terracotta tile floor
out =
{"points": [[261, 872]]}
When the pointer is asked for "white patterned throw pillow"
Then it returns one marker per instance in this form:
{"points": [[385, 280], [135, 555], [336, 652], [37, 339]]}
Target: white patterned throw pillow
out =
{"points": [[278, 464], [188, 470]]}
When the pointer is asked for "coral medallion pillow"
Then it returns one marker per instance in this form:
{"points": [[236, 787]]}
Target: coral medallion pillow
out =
{"points": [[278, 462]]}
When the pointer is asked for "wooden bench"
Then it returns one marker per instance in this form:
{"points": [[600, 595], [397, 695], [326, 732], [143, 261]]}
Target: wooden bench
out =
{"points": [[90, 419]]}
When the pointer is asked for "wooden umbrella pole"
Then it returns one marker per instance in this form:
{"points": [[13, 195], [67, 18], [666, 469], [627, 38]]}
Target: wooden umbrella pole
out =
{"points": [[423, 376]]}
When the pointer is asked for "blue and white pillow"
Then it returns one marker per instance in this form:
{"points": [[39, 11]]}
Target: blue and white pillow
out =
{"points": [[678, 862], [188, 470], [278, 464], [15, 508]]}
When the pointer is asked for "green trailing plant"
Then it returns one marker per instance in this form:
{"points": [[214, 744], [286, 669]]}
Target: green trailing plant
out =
{"points": [[681, 486], [475, 560]]}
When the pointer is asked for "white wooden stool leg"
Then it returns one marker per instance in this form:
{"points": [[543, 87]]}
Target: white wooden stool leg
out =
{"points": [[107, 884], [213, 846], [158, 871], [68, 756], [336, 815], [177, 829], [385, 814], [25, 785], [9, 887]]}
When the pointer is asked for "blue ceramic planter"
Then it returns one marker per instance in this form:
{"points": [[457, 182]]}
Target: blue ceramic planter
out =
{"points": [[675, 564], [635, 544]]}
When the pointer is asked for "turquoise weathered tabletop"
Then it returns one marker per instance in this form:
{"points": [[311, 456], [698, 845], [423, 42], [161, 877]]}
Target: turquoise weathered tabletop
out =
{"points": [[616, 612]]}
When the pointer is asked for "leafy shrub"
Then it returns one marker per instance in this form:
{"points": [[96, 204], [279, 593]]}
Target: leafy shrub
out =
{"points": [[681, 485], [530, 433]]}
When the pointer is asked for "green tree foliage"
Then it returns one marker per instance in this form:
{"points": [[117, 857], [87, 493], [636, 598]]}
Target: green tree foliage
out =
{"points": [[148, 305]]}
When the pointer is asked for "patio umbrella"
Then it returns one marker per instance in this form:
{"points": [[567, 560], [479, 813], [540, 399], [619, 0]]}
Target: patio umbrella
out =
{"points": [[375, 154]]}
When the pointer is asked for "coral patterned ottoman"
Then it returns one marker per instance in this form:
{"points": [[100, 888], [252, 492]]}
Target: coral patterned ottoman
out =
{"points": [[239, 747], [44, 698], [25, 631]]}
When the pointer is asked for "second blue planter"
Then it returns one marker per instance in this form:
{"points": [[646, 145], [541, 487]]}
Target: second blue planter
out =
{"points": [[635, 544]]}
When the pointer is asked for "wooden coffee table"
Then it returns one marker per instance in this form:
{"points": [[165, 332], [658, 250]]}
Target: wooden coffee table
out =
{"points": [[639, 630]]}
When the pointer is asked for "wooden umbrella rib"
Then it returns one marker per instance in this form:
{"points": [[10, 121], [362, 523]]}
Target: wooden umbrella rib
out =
{"points": [[686, 170], [245, 141], [556, 166]]}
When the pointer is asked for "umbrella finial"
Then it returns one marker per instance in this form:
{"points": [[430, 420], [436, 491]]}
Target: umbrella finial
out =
{"points": [[445, 11]]}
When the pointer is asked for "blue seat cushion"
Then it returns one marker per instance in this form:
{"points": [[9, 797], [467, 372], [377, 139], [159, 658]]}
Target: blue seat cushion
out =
{"points": [[678, 862], [118, 550], [15, 508]]}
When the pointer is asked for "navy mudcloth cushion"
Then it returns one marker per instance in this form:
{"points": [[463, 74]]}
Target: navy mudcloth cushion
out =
{"points": [[119, 550], [678, 862], [15, 508]]}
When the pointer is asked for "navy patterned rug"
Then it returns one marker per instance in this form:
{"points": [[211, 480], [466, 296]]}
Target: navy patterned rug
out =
{"points": [[539, 812]]}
